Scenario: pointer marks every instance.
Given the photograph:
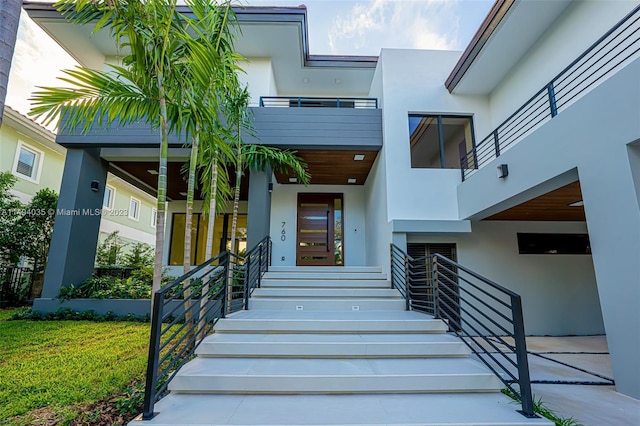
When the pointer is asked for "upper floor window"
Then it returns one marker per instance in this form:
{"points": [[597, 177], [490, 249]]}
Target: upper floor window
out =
{"points": [[28, 162], [134, 209], [109, 196], [440, 141]]}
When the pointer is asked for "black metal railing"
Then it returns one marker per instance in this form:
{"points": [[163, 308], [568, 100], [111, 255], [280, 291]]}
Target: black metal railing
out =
{"points": [[185, 311], [486, 316], [15, 284], [317, 102], [614, 50]]}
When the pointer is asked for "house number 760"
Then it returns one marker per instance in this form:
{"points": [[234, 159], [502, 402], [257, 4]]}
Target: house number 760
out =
{"points": [[283, 236]]}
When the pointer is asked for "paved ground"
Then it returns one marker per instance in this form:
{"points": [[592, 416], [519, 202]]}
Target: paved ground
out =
{"points": [[579, 359]]}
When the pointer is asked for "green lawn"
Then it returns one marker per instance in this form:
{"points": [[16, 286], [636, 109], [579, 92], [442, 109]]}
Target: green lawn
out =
{"points": [[59, 364]]}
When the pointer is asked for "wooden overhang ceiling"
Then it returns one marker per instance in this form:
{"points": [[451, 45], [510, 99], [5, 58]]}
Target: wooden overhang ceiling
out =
{"points": [[176, 179], [333, 167], [552, 206]]}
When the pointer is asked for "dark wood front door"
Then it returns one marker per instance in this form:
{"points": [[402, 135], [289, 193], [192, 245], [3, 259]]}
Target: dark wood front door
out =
{"points": [[319, 241]]}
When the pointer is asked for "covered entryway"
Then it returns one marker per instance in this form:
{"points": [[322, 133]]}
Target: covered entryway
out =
{"points": [[319, 230]]}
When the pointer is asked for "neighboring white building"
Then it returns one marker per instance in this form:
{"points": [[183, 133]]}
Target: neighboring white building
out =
{"points": [[30, 153], [432, 151]]}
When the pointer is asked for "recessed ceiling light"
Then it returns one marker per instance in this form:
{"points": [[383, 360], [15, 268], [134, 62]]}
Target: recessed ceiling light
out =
{"points": [[152, 172], [305, 80], [338, 81], [577, 204], [293, 180], [351, 180], [358, 157]]}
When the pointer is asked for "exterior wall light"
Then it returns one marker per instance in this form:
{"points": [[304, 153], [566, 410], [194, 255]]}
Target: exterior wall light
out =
{"points": [[95, 185], [503, 171], [270, 187]]}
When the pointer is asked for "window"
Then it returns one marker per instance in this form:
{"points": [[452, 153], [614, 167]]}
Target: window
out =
{"points": [[154, 217], [28, 162], [109, 196], [553, 244], [440, 142], [134, 209], [199, 227]]}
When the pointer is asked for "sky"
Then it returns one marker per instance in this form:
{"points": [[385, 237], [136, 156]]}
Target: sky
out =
{"points": [[339, 27]]}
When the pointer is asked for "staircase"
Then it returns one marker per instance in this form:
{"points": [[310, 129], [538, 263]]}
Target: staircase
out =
{"points": [[333, 346]]}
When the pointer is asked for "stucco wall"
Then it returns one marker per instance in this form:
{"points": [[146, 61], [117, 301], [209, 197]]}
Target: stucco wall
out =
{"points": [[259, 77]]}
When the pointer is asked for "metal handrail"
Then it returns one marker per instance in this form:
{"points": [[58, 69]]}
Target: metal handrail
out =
{"points": [[607, 55], [485, 315], [185, 311], [317, 101]]}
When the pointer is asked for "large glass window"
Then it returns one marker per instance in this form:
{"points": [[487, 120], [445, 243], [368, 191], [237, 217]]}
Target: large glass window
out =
{"points": [[440, 142], [199, 226]]}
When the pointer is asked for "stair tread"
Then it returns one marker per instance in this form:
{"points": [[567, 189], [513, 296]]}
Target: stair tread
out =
{"points": [[395, 338], [303, 368], [339, 410]]}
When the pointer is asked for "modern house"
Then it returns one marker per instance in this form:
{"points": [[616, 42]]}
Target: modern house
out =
{"points": [[518, 158], [30, 152]]}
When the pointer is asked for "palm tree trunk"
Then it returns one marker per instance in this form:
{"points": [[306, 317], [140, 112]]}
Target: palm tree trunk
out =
{"points": [[234, 224], [191, 185], [9, 20], [162, 188], [209, 247]]}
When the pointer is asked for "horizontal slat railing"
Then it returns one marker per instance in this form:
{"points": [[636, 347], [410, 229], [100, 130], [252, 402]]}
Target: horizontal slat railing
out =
{"points": [[615, 49], [185, 311], [317, 102], [486, 316]]}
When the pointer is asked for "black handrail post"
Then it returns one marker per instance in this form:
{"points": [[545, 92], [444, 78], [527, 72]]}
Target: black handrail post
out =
{"points": [[407, 283], [434, 280], [260, 265], [496, 143], [524, 380], [225, 286], [152, 359], [247, 281], [552, 100]]}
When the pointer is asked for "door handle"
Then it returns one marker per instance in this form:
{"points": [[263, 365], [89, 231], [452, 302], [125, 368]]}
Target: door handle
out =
{"points": [[328, 229]]}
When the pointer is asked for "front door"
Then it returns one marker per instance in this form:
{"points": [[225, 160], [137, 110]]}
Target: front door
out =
{"points": [[319, 239]]}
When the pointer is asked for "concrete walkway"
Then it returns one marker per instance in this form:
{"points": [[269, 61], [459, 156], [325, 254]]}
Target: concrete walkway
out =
{"points": [[581, 360]]}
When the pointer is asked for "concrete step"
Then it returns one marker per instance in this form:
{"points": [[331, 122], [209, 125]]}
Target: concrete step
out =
{"points": [[332, 345], [317, 283], [323, 269], [339, 410], [327, 376], [324, 304], [378, 322], [307, 275], [306, 293]]}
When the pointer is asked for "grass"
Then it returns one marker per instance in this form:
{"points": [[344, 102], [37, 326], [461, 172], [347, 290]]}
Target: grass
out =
{"points": [[62, 365], [541, 409]]}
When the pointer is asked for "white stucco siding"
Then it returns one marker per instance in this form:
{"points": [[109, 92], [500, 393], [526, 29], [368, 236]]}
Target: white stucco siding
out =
{"points": [[592, 136], [563, 42], [284, 201], [413, 82], [258, 76]]}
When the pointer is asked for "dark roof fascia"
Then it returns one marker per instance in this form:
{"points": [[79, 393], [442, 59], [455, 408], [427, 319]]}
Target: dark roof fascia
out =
{"points": [[258, 14], [488, 26]]}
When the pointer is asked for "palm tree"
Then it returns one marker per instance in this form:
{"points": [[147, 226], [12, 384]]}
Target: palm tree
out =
{"points": [[149, 87], [252, 156], [9, 20]]}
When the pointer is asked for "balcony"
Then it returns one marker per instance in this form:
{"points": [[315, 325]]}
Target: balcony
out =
{"points": [[616, 49]]}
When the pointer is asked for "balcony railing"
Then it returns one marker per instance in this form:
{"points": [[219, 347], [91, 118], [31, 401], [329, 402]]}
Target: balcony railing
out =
{"points": [[318, 102], [614, 50]]}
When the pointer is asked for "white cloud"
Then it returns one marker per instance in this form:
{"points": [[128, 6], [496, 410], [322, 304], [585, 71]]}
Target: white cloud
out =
{"points": [[37, 61], [426, 24]]}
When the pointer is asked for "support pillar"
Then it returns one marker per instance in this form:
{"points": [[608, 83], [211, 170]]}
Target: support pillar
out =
{"points": [[77, 223], [259, 207]]}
